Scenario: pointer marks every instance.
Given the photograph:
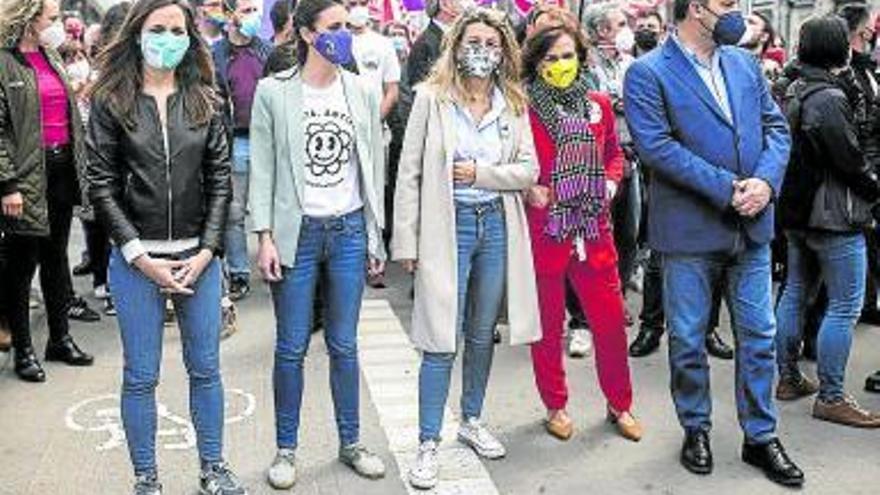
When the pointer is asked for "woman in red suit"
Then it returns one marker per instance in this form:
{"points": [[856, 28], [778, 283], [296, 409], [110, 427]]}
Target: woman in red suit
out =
{"points": [[581, 164]]}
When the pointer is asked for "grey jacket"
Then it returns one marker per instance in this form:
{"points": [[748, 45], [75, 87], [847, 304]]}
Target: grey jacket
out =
{"points": [[277, 178]]}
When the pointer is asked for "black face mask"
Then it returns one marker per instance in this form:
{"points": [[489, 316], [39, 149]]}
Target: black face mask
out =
{"points": [[647, 40]]}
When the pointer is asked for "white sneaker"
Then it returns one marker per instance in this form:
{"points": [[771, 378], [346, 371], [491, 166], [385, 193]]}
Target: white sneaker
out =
{"points": [[476, 436], [362, 461], [425, 471], [282, 472], [580, 343], [101, 292]]}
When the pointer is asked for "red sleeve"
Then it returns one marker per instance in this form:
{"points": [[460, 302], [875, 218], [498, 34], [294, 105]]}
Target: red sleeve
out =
{"points": [[612, 155]]}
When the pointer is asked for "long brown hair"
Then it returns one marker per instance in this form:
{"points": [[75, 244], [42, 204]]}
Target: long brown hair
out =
{"points": [[121, 72], [445, 77]]}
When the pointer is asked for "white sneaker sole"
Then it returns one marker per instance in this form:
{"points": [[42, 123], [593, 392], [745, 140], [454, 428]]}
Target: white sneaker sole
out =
{"points": [[423, 483], [280, 486], [484, 453]]}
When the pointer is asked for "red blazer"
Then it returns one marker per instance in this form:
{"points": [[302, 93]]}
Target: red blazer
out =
{"points": [[551, 256]]}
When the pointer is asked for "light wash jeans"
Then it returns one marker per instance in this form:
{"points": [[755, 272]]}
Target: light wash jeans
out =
{"points": [[482, 273]]}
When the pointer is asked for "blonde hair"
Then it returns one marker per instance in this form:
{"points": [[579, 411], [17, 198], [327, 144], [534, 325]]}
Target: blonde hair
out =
{"points": [[445, 78], [15, 17]]}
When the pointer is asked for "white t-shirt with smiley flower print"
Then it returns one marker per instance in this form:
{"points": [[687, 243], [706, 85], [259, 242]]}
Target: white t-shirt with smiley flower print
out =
{"points": [[332, 171]]}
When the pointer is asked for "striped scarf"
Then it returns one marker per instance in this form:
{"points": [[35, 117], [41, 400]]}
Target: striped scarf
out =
{"points": [[578, 176]]}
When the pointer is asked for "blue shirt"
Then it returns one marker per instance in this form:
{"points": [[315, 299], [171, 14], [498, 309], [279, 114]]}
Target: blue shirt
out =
{"points": [[480, 142], [712, 76]]}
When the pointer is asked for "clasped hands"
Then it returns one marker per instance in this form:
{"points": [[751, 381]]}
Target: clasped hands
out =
{"points": [[750, 196]]}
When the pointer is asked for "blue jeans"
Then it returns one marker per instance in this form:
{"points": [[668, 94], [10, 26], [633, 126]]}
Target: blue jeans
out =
{"points": [[237, 261], [482, 272], [141, 313], [688, 281], [334, 250], [840, 261]]}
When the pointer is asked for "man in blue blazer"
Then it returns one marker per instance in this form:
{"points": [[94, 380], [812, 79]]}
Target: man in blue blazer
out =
{"points": [[703, 120]]}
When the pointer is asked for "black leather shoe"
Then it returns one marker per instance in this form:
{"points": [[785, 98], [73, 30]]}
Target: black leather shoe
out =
{"points": [[68, 352], [27, 367], [772, 459], [717, 347], [872, 383], [696, 453], [647, 341]]}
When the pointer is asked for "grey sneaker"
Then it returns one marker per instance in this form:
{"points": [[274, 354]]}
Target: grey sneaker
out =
{"points": [[282, 472], [425, 471], [476, 436], [147, 484], [362, 461], [218, 479]]}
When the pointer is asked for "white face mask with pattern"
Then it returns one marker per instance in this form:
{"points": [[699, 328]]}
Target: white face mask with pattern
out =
{"points": [[478, 60]]}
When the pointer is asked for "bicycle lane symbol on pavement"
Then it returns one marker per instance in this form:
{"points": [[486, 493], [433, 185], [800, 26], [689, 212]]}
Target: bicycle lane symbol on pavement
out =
{"points": [[100, 417]]}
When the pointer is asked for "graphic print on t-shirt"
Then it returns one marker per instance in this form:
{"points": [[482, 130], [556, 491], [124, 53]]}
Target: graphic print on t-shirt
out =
{"points": [[328, 146]]}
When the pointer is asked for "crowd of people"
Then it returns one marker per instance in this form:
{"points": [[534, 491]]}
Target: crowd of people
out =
{"points": [[532, 174]]}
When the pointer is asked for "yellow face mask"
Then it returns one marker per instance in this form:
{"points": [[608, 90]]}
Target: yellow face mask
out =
{"points": [[561, 73]]}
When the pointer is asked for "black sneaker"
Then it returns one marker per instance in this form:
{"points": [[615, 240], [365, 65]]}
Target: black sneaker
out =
{"points": [[79, 310], [218, 479], [109, 307], [239, 288]]}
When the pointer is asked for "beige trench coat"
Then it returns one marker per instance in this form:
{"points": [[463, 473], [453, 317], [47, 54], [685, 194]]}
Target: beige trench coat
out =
{"points": [[424, 222]]}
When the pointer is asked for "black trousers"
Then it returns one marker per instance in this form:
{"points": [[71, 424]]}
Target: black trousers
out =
{"points": [[26, 253], [98, 247]]}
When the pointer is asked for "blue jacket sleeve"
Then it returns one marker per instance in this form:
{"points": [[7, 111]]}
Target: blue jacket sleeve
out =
{"points": [[777, 140], [658, 148]]}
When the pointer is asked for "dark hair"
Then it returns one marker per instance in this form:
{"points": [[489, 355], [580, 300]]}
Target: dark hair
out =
{"points": [[680, 8], [768, 30], [539, 43], [230, 5], [854, 14], [305, 16], [282, 11], [651, 13], [824, 42], [110, 24], [120, 68]]}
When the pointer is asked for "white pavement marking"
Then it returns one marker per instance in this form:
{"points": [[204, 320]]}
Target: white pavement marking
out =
{"points": [[391, 367], [101, 414]]}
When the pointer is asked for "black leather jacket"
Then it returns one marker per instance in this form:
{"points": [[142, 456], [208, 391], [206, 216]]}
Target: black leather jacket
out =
{"points": [[829, 185], [140, 191]]}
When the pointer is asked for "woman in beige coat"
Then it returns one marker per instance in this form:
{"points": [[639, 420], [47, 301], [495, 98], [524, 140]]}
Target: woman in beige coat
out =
{"points": [[460, 225]]}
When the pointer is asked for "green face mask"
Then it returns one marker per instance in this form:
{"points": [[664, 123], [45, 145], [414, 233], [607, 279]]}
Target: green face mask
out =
{"points": [[561, 73], [164, 50]]}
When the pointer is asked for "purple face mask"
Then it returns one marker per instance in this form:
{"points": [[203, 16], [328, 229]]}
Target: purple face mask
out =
{"points": [[335, 46]]}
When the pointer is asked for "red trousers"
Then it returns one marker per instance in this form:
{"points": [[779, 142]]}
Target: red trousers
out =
{"points": [[597, 284]]}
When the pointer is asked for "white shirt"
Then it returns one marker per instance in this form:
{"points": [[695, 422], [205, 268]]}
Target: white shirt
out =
{"points": [[480, 142], [711, 74], [331, 168], [376, 58]]}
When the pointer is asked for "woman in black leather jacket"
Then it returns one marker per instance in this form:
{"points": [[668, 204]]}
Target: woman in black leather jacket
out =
{"points": [[825, 202], [159, 179]]}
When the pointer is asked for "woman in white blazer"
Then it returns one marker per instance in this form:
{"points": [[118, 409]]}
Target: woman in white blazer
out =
{"points": [[460, 225]]}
